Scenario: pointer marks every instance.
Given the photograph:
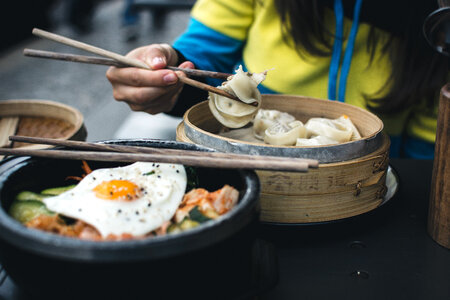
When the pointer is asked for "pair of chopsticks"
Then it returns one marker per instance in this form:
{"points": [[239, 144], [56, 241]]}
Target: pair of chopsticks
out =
{"points": [[117, 60], [122, 153]]}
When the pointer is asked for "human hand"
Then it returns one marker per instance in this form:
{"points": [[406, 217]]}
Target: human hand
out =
{"points": [[152, 91]]}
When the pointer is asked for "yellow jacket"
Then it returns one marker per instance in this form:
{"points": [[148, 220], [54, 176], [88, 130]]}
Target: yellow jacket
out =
{"points": [[225, 33]]}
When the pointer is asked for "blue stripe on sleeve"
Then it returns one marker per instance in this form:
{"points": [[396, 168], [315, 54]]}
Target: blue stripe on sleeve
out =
{"points": [[418, 149], [408, 147], [209, 49], [394, 149]]}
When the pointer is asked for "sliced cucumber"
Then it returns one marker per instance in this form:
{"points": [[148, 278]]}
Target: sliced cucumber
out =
{"points": [[184, 225], [211, 213], [188, 224], [173, 228], [24, 211], [197, 216], [30, 196], [192, 178], [57, 190]]}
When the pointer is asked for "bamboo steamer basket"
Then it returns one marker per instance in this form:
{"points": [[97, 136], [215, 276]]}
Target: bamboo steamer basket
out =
{"points": [[40, 118], [350, 179]]}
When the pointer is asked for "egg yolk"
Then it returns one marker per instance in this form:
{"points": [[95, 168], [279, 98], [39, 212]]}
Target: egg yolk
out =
{"points": [[122, 190]]}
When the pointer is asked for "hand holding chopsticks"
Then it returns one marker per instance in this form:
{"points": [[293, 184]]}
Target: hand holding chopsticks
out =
{"points": [[118, 60], [121, 153]]}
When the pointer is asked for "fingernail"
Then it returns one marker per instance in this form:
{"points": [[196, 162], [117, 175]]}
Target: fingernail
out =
{"points": [[170, 78], [157, 60]]}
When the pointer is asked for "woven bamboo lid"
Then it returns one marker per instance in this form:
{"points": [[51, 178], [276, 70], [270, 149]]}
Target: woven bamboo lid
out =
{"points": [[39, 118]]}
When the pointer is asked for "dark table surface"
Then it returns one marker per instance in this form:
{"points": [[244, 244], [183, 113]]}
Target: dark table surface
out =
{"points": [[383, 254]]}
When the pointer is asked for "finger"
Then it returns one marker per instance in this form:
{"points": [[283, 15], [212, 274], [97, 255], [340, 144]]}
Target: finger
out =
{"points": [[141, 78], [187, 65], [162, 103], [141, 96]]}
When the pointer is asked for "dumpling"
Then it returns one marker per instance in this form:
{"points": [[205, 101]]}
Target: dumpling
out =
{"points": [[328, 128], [285, 134], [243, 85], [233, 108], [346, 122], [266, 118], [315, 141], [229, 120]]}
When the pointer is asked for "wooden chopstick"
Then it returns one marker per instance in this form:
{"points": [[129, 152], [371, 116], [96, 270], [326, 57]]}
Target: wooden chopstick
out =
{"points": [[152, 150], [128, 61], [89, 48], [212, 160], [111, 62]]}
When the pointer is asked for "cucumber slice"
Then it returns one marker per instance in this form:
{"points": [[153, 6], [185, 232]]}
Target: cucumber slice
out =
{"points": [[30, 196], [57, 190], [24, 211], [197, 216], [184, 225], [192, 178], [173, 228], [188, 224]]}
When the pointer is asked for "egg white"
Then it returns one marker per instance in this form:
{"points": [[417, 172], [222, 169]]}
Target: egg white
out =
{"points": [[162, 186]]}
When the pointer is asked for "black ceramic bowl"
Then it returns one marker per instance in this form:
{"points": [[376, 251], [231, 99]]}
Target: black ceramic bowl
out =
{"points": [[215, 260]]}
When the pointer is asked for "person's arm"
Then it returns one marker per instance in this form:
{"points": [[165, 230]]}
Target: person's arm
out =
{"points": [[213, 41]]}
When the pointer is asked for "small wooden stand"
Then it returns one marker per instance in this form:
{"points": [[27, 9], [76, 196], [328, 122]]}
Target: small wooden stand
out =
{"points": [[439, 209]]}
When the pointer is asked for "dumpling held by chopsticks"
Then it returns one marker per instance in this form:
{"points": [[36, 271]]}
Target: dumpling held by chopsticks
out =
{"points": [[234, 114]]}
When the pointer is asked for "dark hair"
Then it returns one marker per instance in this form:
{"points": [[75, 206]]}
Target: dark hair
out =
{"points": [[418, 71]]}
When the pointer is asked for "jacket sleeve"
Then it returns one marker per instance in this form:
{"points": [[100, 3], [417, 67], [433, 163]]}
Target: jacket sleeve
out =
{"points": [[213, 41]]}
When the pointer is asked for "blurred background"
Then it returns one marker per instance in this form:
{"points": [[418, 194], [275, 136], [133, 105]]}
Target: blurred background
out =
{"points": [[115, 25]]}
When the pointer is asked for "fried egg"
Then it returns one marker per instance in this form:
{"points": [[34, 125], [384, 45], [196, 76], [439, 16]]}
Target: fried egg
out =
{"points": [[135, 199]]}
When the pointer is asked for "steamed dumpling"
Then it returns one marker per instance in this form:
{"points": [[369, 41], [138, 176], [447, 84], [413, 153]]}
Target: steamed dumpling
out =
{"points": [[328, 128], [233, 108], [231, 113], [315, 141], [266, 118], [229, 120], [346, 122], [285, 134]]}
